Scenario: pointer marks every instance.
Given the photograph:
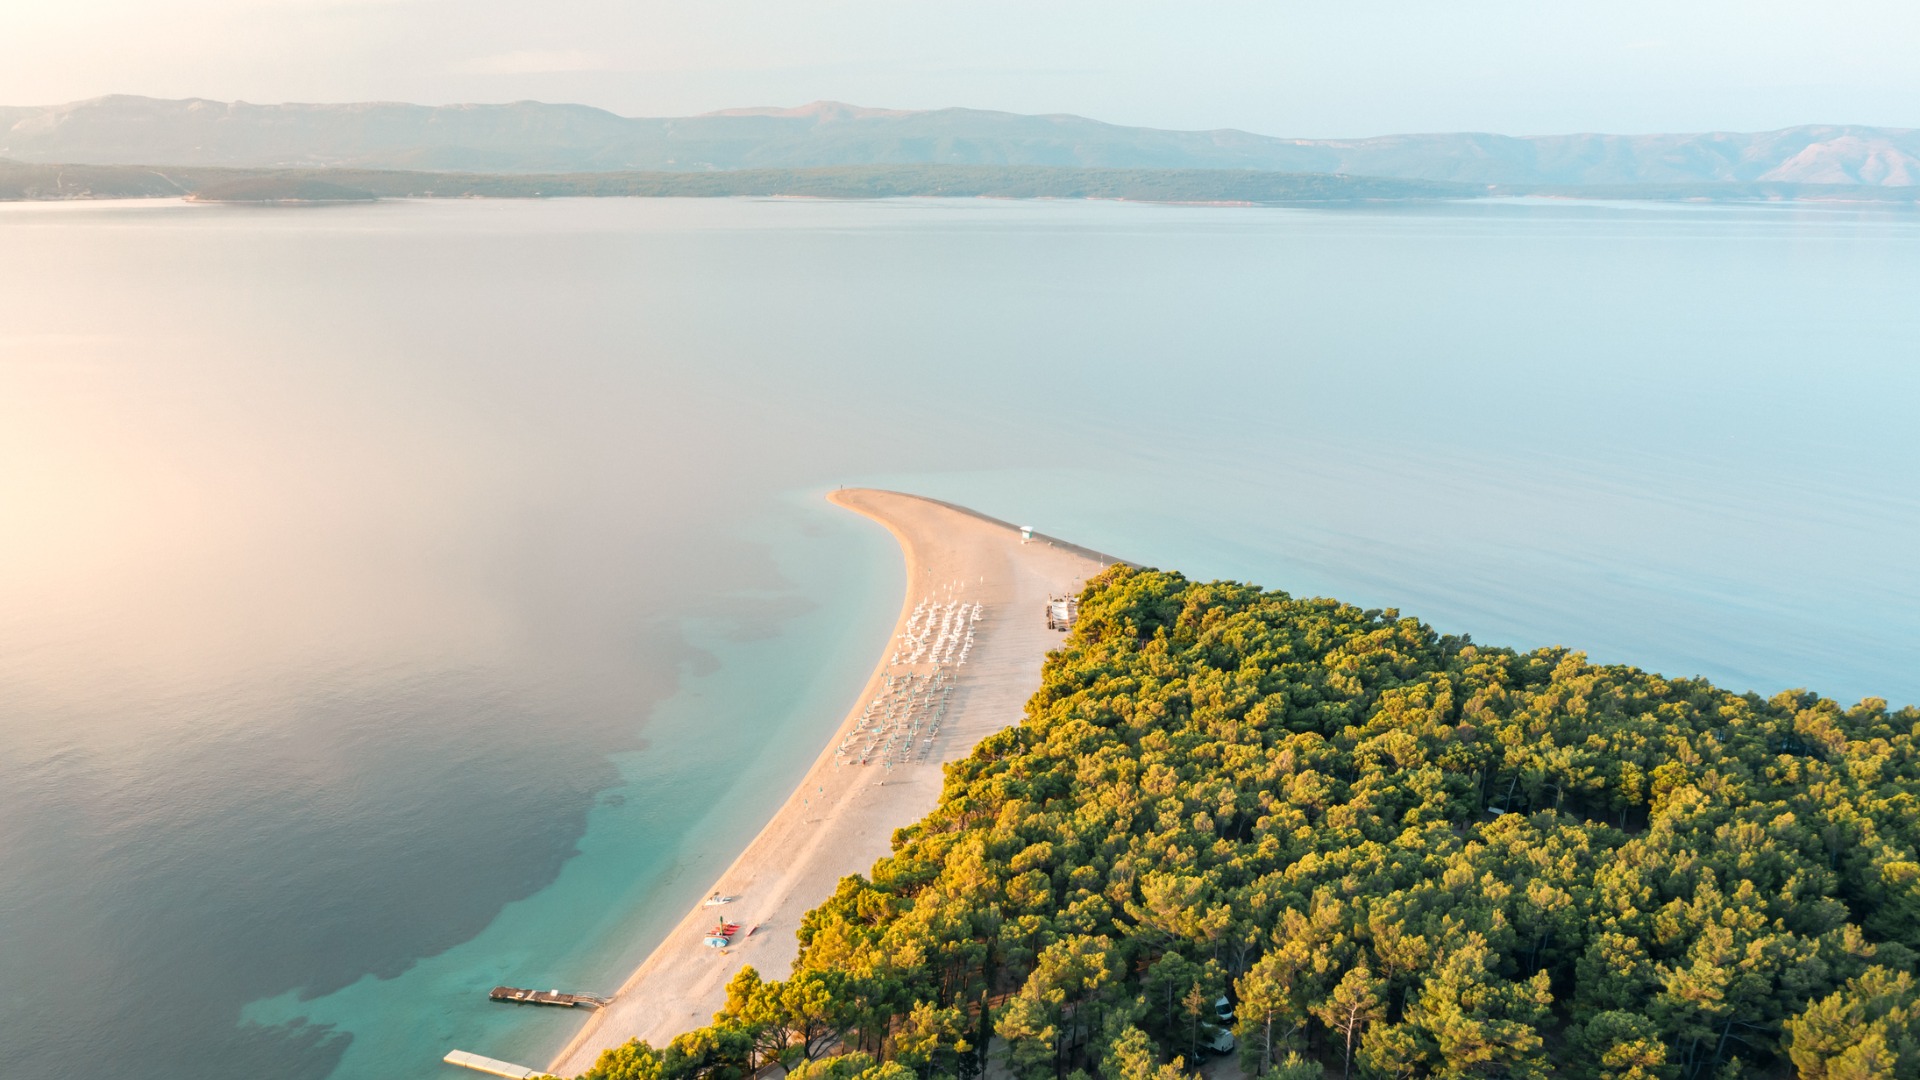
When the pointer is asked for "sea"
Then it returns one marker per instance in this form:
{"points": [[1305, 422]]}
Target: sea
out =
{"points": [[401, 599]]}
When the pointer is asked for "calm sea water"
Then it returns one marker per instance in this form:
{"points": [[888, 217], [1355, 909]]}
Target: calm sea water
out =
{"points": [[400, 599]]}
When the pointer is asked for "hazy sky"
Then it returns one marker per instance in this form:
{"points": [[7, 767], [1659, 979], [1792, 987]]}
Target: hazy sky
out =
{"points": [[1318, 68]]}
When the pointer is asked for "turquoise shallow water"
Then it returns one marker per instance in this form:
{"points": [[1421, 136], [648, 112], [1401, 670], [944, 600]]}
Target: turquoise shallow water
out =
{"points": [[721, 755], [400, 599]]}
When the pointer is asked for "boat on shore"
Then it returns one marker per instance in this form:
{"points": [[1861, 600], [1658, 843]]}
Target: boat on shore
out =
{"points": [[513, 995], [1062, 612], [722, 935]]}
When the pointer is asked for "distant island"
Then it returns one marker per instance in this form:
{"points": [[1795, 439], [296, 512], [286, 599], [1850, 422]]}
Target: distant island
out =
{"points": [[24, 181], [537, 137], [1358, 846], [135, 147]]}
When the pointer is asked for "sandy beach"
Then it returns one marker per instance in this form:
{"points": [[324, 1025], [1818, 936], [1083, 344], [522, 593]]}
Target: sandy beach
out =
{"points": [[966, 651]]}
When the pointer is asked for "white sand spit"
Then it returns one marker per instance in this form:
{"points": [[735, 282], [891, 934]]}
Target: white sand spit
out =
{"points": [[972, 671]]}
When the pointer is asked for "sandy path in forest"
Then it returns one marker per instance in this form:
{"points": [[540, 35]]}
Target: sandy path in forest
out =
{"points": [[843, 815]]}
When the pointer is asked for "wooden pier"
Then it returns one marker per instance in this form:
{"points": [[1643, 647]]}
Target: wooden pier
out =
{"points": [[490, 1066], [513, 995]]}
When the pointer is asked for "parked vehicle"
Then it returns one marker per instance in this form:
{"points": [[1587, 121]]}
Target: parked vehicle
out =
{"points": [[1222, 1041]]}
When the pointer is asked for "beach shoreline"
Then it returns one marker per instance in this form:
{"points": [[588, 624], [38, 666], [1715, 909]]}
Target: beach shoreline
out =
{"points": [[963, 658]]}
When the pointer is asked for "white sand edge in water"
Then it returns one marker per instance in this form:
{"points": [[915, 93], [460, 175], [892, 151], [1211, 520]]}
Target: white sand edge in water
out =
{"points": [[842, 817]]}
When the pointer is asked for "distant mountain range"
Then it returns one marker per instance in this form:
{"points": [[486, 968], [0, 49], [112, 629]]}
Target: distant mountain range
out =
{"points": [[531, 137]]}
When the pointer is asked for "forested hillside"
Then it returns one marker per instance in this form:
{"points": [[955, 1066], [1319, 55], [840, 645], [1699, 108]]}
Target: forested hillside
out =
{"points": [[23, 181], [19, 180], [1398, 853]]}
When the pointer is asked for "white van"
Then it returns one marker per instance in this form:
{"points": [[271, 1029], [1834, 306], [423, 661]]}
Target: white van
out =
{"points": [[1222, 1041]]}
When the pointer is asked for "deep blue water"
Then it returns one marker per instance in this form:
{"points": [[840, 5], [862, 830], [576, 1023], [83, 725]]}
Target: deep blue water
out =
{"points": [[400, 599]]}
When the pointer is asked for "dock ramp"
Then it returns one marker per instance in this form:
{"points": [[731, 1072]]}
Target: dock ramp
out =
{"points": [[490, 1066]]}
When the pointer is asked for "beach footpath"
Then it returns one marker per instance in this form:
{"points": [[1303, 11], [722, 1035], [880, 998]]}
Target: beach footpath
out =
{"points": [[964, 657]]}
